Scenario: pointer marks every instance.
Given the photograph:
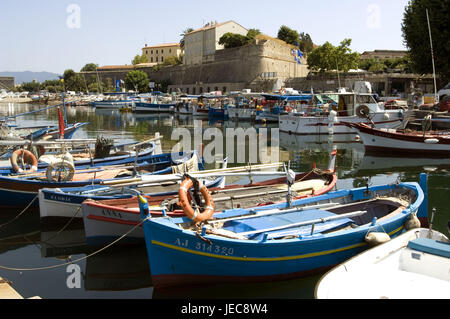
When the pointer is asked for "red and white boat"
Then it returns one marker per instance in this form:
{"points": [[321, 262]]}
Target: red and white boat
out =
{"points": [[388, 141]]}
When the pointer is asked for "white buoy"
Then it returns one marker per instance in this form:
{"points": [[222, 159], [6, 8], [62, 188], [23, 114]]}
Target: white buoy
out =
{"points": [[431, 141], [376, 238]]}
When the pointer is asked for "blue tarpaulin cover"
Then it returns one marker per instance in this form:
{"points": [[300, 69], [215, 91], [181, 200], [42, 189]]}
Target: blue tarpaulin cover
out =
{"points": [[264, 222]]}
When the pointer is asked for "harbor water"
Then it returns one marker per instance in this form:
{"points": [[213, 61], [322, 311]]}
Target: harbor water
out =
{"points": [[30, 253]]}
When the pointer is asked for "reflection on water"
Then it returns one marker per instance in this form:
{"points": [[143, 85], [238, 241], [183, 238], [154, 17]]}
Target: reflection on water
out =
{"points": [[123, 272]]}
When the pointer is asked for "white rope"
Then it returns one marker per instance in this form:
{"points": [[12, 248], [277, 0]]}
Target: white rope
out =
{"points": [[80, 259]]}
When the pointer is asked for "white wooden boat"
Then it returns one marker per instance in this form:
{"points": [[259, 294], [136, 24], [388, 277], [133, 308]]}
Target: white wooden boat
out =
{"points": [[352, 107], [398, 142], [414, 265]]}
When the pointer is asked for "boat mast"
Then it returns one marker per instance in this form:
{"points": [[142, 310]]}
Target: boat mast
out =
{"points": [[436, 98]]}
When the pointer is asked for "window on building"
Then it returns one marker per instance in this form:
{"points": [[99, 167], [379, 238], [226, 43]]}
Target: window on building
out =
{"points": [[146, 52], [151, 59], [156, 59], [162, 51], [151, 52], [170, 50], [208, 90], [156, 51], [201, 89], [162, 59]]}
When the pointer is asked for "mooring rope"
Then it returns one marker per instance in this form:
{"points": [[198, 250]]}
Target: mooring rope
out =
{"points": [[79, 259], [21, 213]]}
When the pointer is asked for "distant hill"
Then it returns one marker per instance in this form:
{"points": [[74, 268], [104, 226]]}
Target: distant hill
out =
{"points": [[28, 76]]}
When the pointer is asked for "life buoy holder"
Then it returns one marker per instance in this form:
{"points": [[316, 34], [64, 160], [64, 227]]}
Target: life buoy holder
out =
{"points": [[61, 171], [362, 111], [28, 158], [184, 201]]}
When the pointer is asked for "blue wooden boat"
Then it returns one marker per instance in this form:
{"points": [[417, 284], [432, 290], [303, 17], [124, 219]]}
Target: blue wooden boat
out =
{"points": [[118, 157], [19, 191], [276, 242], [154, 107]]}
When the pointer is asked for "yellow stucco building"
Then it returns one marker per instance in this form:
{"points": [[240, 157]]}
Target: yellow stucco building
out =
{"points": [[157, 54]]}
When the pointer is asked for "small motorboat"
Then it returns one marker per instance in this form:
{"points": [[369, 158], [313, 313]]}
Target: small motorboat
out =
{"points": [[414, 265]]}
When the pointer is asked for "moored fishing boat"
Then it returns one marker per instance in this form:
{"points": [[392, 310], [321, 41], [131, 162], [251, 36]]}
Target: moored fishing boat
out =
{"points": [[105, 220], [21, 190], [278, 241], [277, 104], [154, 103], [414, 265], [85, 157], [58, 204], [400, 142], [352, 107]]}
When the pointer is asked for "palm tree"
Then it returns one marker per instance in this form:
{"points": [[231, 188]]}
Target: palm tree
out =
{"points": [[182, 35]]}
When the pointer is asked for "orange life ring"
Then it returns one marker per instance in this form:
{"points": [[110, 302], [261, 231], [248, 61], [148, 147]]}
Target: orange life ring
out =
{"points": [[195, 215], [28, 158]]}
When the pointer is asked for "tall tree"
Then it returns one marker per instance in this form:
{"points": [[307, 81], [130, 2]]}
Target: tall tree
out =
{"points": [[306, 43], [288, 35], [73, 81], [232, 40], [251, 34], [137, 80], [89, 67], [138, 59], [417, 40], [328, 57], [183, 34]]}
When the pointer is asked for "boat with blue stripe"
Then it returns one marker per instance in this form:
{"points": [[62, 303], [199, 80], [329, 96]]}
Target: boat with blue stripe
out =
{"points": [[276, 242], [60, 204], [19, 191], [119, 155]]}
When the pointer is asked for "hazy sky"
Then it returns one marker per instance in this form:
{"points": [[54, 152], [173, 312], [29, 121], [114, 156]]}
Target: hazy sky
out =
{"points": [[54, 35]]}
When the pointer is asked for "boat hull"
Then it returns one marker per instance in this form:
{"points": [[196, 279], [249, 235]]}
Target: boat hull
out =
{"points": [[380, 141], [390, 271], [154, 107]]}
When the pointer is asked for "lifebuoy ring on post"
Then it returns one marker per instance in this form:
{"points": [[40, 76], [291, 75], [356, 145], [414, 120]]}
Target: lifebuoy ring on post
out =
{"points": [[195, 215], [28, 158]]}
